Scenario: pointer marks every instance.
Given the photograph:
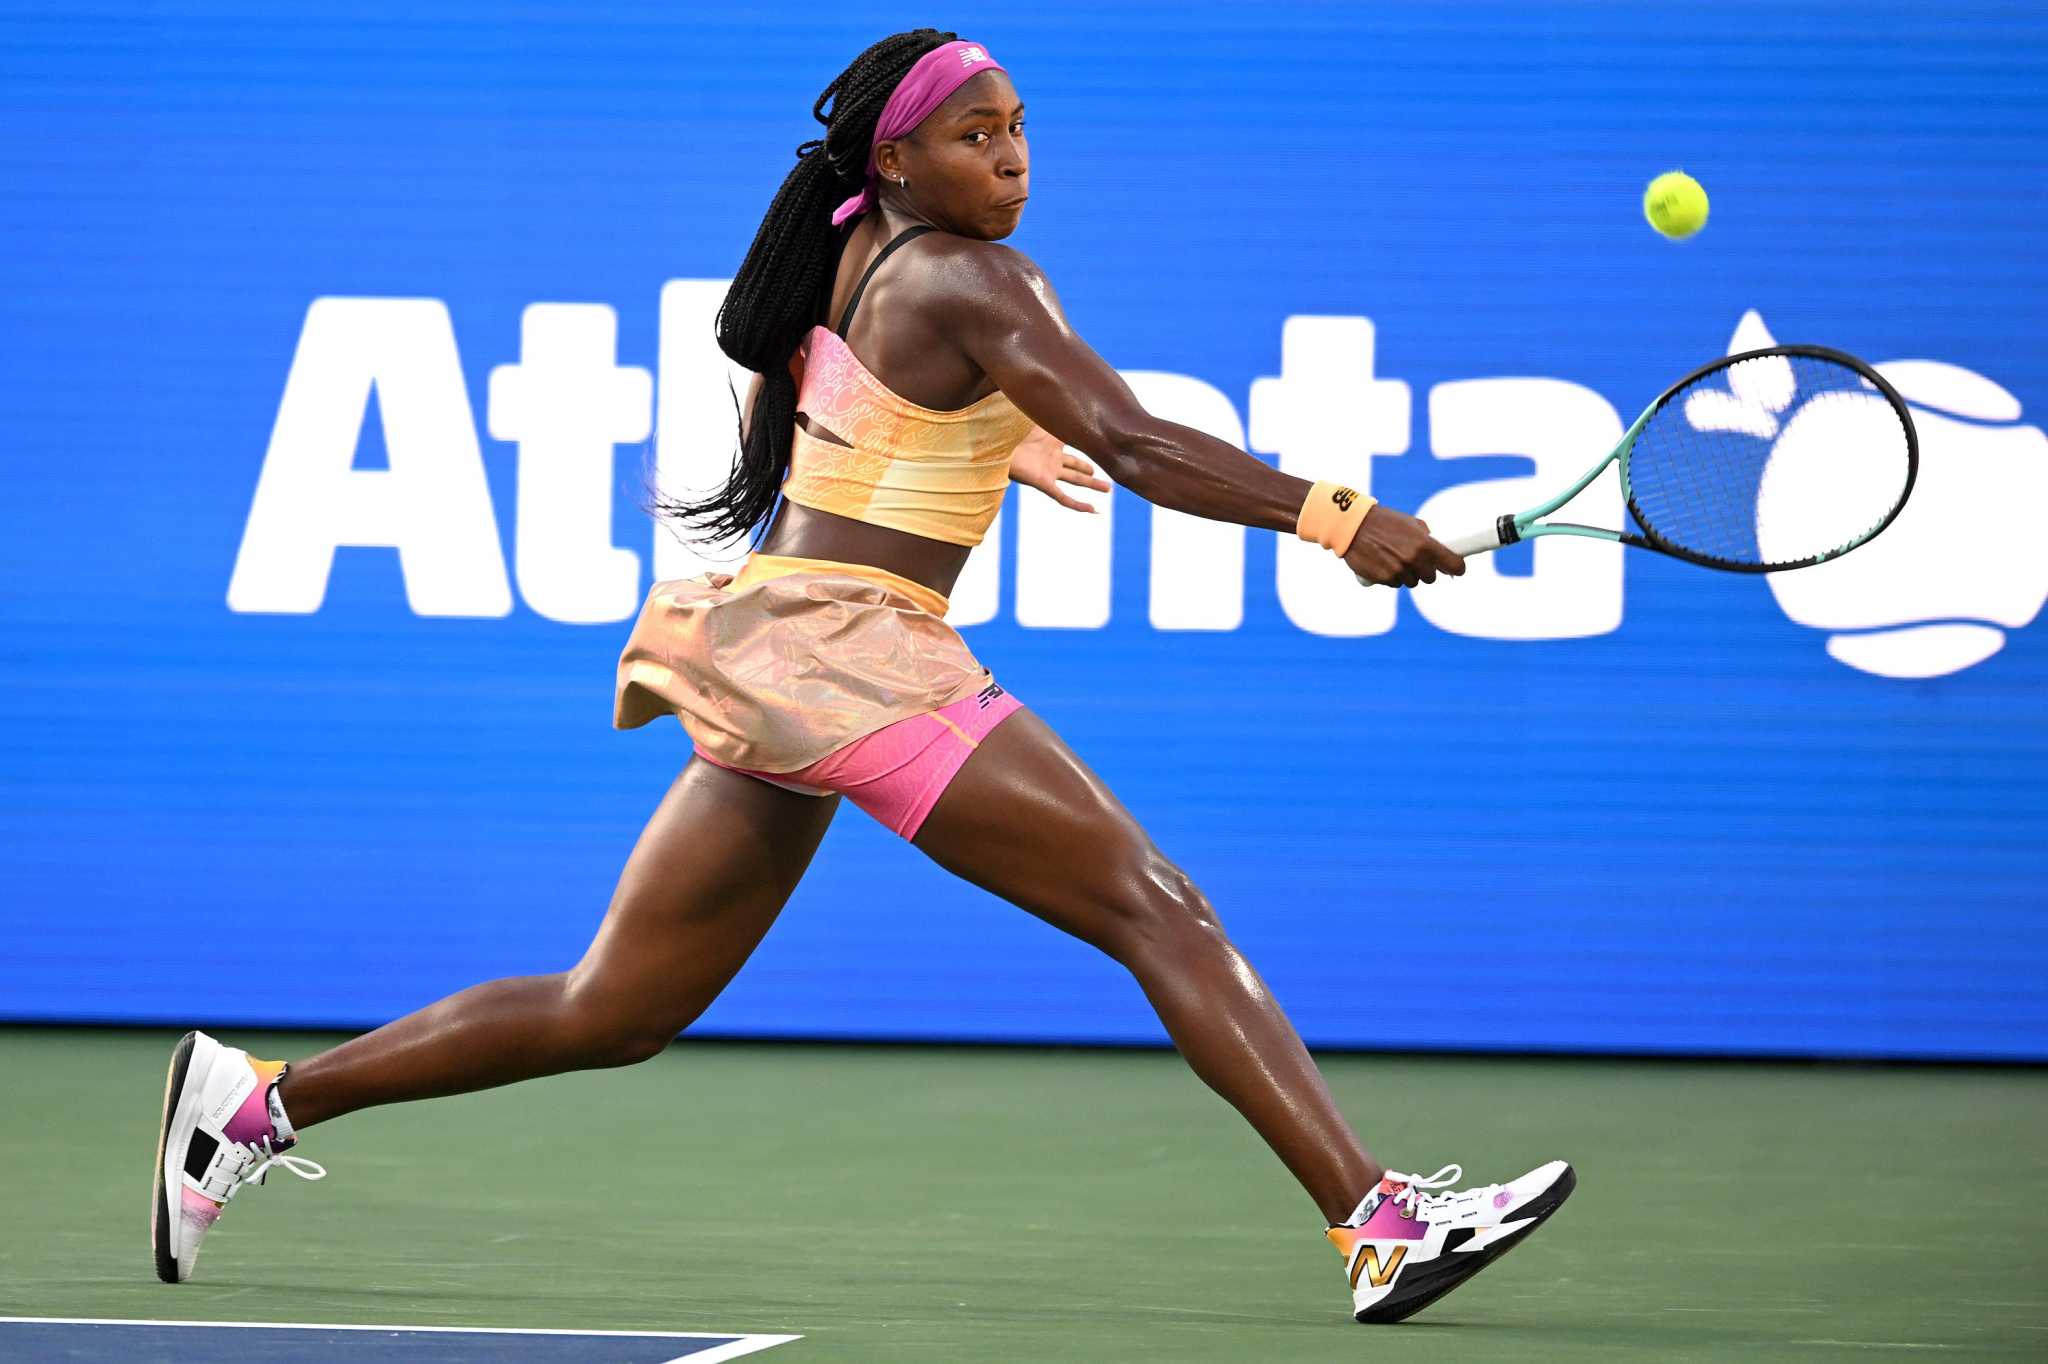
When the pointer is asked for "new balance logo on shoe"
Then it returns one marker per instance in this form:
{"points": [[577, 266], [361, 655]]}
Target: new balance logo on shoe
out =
{"points": [[1368, 1266]]}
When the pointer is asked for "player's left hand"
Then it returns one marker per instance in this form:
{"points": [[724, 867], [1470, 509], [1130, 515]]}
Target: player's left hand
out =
{"points": [[1043, 462]]}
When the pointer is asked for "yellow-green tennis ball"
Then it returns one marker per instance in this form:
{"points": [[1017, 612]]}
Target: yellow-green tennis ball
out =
{"points": [[1675, 204]]}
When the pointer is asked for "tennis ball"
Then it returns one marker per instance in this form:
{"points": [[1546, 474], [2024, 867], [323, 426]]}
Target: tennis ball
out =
{"points": [[1675, 204]]}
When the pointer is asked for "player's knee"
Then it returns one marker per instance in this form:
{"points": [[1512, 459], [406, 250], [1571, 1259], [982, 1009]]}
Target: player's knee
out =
{"points": [[631, 1046], [1160, 910], [626, 1041], [602, 1031]]}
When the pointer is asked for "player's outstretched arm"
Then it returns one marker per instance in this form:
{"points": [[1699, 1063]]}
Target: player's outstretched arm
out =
{"points": [[1009, 322]]}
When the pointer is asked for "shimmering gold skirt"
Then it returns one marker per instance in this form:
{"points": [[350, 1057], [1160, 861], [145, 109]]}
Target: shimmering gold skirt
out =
{"points": [[776, 667]]}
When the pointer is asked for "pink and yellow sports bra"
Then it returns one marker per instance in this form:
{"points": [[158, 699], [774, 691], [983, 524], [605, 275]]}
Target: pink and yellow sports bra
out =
{"points": [[941, 475]]}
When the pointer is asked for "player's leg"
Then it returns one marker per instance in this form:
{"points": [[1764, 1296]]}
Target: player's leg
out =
{"points": [[1026, 819], [709, 874]]}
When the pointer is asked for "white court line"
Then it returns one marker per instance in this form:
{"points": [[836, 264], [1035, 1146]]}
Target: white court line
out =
{"points": [[1881, 1344], [741, 1342]]}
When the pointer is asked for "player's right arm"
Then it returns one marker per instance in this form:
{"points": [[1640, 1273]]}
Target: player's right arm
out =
{"points": [[1009, 322]]}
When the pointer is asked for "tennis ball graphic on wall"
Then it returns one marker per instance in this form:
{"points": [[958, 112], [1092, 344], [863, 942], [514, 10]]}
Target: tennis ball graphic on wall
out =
{"points": [[1963, 563]]}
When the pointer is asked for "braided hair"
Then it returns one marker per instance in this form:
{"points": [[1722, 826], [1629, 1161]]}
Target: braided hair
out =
{"points": [[785, 284]]}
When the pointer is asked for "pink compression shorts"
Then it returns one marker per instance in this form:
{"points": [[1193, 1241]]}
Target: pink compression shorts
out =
{"points": [[898, 773]]}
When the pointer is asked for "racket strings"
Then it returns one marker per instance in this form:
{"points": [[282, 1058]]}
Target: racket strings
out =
{"points": [[1774, 460]]}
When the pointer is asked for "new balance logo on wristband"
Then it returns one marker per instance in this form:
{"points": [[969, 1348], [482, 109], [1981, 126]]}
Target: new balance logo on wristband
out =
{"points": [[1344, 497]]}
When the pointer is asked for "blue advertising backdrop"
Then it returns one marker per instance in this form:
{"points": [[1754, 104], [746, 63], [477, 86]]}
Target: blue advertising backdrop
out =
{"points": [[1587, 804]]}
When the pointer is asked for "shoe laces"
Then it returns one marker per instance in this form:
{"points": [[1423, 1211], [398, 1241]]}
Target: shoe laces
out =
{"points": [[1415, 1201], [269, 1156]]}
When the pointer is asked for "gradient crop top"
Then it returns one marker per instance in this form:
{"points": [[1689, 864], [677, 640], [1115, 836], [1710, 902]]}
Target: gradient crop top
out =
{"points": [[941, 475]]}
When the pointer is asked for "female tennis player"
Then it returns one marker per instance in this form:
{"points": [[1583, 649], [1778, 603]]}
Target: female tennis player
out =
{"points": [[907, 364]]}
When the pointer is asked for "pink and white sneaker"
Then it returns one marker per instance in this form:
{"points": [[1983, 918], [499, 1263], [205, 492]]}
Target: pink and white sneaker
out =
{"points": [[223, 1127], [1404, 1248]]}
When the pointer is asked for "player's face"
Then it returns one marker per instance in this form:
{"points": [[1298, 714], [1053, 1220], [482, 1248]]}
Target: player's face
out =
{"points": [[968, 166]]}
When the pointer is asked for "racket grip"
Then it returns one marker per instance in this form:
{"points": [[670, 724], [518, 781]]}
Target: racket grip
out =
{"points": [[1501, 532]]}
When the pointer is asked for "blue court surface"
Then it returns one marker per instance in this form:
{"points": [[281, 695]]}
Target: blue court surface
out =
{"points": [[91, 1341]]}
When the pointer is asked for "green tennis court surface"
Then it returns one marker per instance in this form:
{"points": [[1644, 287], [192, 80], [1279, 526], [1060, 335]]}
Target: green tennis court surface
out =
{"points": [[909, 1204]]}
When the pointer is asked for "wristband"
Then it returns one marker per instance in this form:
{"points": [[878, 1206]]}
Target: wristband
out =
{"points": [[1331, 513]]}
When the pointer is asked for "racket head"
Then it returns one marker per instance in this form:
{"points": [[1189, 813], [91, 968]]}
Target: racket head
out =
{"points": [[1770, 460]]}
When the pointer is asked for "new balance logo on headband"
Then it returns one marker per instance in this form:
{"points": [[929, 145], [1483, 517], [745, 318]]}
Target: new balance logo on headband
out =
{"points": [[971, 54]]}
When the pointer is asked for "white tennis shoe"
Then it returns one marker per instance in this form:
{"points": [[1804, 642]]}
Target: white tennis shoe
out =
{"points": [[222, 1128], [1404, 1247]]}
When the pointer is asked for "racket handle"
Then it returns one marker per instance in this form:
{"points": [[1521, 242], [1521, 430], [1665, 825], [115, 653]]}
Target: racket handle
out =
{"points": [[1501, 532]]}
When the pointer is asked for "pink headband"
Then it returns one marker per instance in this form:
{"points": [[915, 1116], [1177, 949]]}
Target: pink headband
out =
{"points": [[937, 74]]}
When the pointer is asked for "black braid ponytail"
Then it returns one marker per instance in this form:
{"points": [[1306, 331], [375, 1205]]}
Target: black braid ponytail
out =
{"points": [[785, 284]]}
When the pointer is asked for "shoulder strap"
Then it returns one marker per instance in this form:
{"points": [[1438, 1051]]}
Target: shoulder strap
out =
{"points": [[907, 234]]}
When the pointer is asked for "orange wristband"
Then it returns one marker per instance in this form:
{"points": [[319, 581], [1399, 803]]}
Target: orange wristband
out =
{"points": [[1331, 514]]}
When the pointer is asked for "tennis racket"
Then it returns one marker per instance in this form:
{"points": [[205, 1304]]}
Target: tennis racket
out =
{"points": [[1756, 463]]}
